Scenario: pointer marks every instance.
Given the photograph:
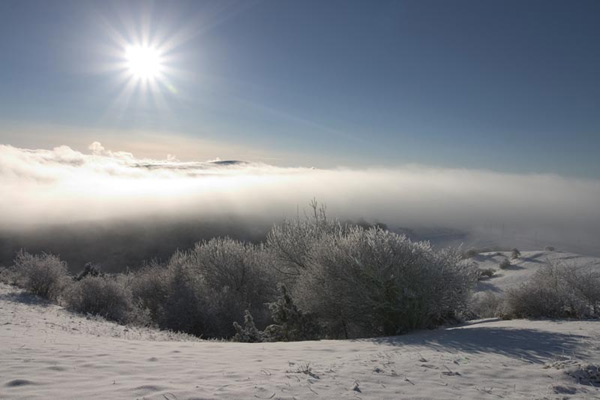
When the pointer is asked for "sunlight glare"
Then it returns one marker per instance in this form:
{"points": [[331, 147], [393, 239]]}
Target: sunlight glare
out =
{"points": [[143, 62]]}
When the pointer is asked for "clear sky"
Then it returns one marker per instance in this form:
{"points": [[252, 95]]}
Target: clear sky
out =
{"points": [[511, 86]]}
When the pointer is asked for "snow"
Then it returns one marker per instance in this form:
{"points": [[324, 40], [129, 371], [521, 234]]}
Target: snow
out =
{"points": [[47, 352], [525, 266]]}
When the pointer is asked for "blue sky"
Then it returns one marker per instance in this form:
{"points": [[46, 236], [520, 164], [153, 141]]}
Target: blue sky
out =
{"points": [[511, 86]]}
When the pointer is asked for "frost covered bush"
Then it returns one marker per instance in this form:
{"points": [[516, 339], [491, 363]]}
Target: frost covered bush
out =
{"points": [[374, 282], [487, 305], [557, 291], [184, 307], [365, 282], [292, 242], [585, 282], [42, 274], [238, 276], [8, 276], [150, 288], [106, 296], [204, 290], [340, 281]]}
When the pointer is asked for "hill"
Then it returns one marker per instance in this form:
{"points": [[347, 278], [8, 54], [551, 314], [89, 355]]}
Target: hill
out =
{"points": [[48, 352]]}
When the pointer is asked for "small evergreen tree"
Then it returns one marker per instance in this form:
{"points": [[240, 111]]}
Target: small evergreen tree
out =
{"points": [[291, 323], [89, 270], [248, 333]]}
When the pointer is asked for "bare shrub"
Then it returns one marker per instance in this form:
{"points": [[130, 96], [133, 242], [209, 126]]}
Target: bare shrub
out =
{"points": [[473, 252], [587, 374], [374, 282], [515, 254], [470, 253], [485, 273], [43, 274], [557, 291], [505, 264], [106, 296], [303, 368]]}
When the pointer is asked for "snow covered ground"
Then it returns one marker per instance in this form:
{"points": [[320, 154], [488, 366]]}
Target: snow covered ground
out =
{"points": [[49, 353], [525, 266]]}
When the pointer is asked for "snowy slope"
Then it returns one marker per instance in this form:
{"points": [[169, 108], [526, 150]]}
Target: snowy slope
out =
{"points": [[48, 353], [524, 267]]}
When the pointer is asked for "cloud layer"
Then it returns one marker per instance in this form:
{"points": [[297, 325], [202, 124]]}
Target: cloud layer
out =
{"points": [[62, 185]]}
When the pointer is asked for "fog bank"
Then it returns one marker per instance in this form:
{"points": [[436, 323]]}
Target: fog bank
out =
{"points": [[65, 186]]}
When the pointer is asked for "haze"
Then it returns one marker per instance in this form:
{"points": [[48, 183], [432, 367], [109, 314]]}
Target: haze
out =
{"points": [[64, 186]]}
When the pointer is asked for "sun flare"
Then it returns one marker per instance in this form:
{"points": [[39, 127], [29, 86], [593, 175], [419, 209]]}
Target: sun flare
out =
{"points": [[143, 62]]}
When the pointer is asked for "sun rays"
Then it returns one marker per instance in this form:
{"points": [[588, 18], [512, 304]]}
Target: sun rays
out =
{"points": [[150, 58]]}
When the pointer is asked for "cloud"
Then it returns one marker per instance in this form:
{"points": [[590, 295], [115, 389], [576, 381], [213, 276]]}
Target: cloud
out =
{"points": [[64, 185], [147, 143]]}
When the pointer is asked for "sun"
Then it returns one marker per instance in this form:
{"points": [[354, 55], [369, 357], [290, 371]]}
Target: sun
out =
{"points": [[143, 62]]}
